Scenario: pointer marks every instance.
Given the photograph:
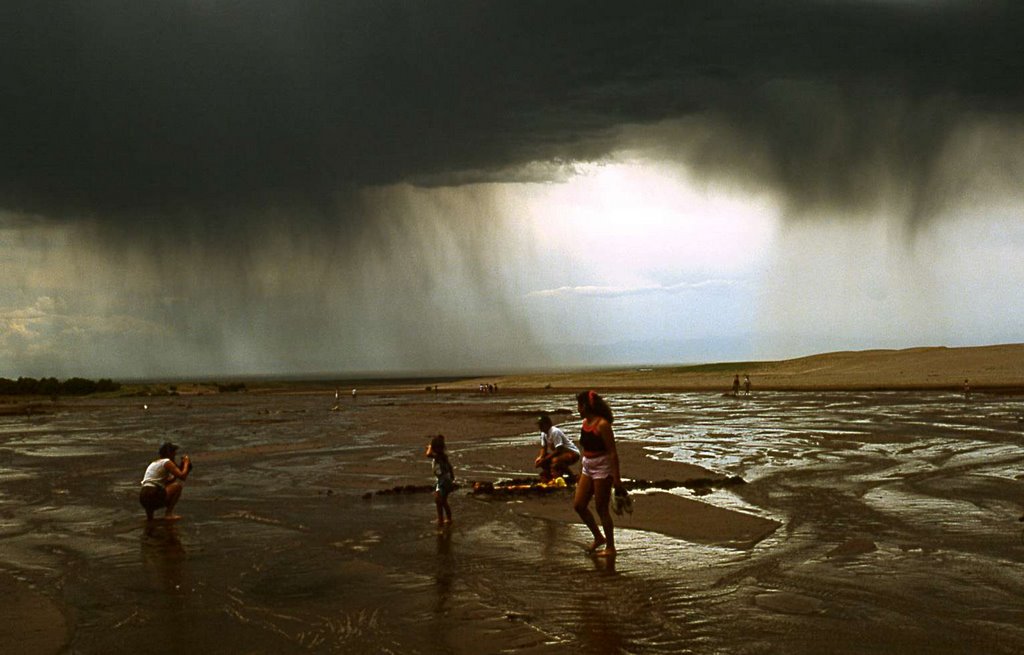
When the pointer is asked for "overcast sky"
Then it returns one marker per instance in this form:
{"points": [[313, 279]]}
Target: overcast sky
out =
{"points": [[215, 188]]}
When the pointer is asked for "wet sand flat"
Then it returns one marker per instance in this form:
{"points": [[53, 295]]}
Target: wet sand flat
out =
{"points": [[672, 515], [879, 521], [33, 622]]}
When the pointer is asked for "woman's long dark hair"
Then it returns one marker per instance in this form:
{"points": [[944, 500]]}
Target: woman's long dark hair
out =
{"points": [[595, 404]]}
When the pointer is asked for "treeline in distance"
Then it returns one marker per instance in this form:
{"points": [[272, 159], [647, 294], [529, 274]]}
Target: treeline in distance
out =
{"points": [[54, 387]]}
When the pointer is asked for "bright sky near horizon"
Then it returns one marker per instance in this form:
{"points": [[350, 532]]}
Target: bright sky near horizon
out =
{"points": [[266, 189]]}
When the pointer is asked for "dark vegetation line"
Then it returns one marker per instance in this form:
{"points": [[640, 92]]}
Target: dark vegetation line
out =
{"points": [[54, 387]]}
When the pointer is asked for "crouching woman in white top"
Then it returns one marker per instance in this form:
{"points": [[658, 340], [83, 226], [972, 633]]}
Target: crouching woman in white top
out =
{"points": [[161, 486]]}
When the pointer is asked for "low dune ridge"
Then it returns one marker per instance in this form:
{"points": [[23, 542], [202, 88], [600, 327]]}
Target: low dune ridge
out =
{"points": [[998, 368]]}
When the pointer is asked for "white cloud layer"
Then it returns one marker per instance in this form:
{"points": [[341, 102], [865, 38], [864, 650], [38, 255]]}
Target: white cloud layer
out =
{"points": [[624, 291]]}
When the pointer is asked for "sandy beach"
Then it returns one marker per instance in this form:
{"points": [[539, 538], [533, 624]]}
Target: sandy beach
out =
{"points": [[856, 508]]}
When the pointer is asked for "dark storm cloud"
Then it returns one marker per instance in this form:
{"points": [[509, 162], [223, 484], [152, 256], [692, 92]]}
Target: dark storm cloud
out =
{"points": [[154, 108]]}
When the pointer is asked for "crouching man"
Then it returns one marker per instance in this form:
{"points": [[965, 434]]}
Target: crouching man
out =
{"points": [[557, 451]]}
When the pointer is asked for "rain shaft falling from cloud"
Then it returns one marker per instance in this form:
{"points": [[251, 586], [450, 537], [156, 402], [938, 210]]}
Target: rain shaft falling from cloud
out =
{"points": [[270, 186], [422, 287]]}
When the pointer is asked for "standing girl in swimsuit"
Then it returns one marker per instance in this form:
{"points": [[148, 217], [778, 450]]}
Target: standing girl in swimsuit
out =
{"points": [[445, 478], [600, 470]]}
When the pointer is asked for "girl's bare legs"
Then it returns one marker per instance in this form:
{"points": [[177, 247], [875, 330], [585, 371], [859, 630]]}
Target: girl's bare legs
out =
{"points": [[602, 501], [584, 492], [444, 510]]}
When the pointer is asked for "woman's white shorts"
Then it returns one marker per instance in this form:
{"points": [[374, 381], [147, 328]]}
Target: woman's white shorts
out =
{"points": [[597, 468]]}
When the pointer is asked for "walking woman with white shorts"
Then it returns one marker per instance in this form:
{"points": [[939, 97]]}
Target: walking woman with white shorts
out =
{"points": [[600, 471]]}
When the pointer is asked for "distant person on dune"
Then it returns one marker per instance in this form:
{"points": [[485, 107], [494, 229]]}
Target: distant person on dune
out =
{"points": [[162, 482], [600, 471], [746, 384], [736, 385], [557, 451]]}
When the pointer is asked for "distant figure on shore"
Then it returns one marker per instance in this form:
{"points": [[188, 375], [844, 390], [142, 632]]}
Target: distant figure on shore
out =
{"points": [[967, 388], [557, 451], [746, 384], [600, 471], [353, 395], [162, 482], [445, 475], [736, 385]]}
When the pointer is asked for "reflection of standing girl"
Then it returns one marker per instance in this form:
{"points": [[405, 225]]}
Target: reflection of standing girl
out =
{"points": [[445, 478], [600, 470]]}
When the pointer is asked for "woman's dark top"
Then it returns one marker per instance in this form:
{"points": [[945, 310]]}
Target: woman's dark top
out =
{"points": [[590, 439]]}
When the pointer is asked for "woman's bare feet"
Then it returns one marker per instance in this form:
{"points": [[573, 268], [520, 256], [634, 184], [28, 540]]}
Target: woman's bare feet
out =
{"points": [[598, 542], [605, 552]]}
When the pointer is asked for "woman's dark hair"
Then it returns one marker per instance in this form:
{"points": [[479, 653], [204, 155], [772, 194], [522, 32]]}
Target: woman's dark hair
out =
{"points": [[595, 404], [544, 421], [167, 449]]}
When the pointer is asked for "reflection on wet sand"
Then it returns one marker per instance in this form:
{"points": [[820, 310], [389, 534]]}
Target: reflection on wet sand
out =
{"points": [[445, 571], [899, 512], [599, 625], [604, 565], [163, 556]]}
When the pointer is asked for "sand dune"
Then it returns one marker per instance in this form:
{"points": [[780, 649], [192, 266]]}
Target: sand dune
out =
{"points": [[988, 368]]}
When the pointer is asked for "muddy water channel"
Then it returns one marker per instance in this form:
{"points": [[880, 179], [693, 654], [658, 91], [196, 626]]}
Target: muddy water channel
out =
{"points": [[899, 514]]}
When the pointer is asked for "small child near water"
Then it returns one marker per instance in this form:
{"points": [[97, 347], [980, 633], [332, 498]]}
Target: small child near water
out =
{"points": [[445, 478]]}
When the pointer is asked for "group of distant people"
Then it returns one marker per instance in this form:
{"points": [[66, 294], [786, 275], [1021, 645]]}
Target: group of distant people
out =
{"points": [[337, 395], [736, 385]]}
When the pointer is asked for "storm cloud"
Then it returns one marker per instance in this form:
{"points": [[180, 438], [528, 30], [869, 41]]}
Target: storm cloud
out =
{"points": [[279, 187], [146, 109]]}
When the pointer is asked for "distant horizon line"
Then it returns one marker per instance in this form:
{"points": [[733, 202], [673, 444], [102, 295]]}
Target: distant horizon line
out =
{"points": [[412, 376]]}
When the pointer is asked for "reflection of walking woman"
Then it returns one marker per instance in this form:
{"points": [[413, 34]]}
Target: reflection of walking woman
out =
{"points": [[600, 470], [445, 478]]}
